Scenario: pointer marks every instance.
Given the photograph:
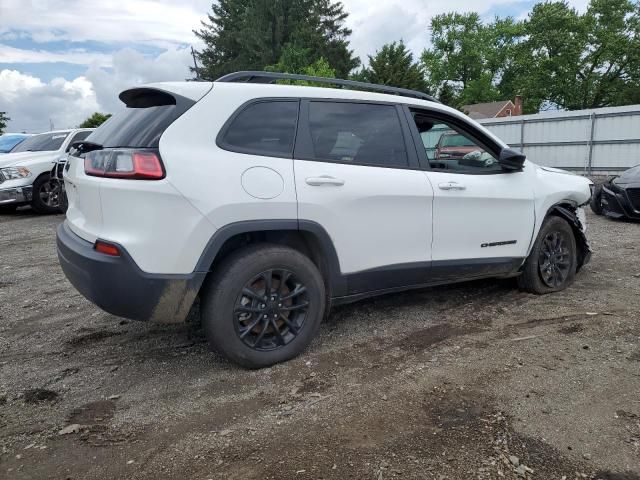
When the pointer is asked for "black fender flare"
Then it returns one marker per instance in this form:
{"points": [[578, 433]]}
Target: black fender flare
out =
{"points": [[336, 279]]}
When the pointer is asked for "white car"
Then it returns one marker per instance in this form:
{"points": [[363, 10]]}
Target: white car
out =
{"points": [[273, 202], [25, 172]]}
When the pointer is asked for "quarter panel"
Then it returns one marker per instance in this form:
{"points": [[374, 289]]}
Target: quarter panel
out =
{"points": [[209, 177]]}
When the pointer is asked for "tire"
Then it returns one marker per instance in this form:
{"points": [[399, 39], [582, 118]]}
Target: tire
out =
{"points": [[41, 187], [596, 200], [233, 320], [535, 278]]}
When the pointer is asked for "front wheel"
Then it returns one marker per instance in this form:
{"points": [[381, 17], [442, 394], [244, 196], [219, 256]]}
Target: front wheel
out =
{"points": [[46, 194], [552, 263], [263, 305]]}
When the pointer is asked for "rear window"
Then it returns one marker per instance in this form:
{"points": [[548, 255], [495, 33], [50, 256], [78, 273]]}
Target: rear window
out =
{"points": [[135, 127], [264, 128], [148, 114], [44, 142]]}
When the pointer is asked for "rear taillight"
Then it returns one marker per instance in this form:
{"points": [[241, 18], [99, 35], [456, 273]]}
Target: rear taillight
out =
{"points": [[124, 163], [106, 248]]}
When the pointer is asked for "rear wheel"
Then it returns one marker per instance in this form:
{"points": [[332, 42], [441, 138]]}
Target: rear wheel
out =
{"points": [[596, 200], [46, 194], [263, 305], [551, 266]]}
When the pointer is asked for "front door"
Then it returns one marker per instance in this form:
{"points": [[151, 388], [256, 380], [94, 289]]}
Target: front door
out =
{"points": [[356, 177], [483, 216]]}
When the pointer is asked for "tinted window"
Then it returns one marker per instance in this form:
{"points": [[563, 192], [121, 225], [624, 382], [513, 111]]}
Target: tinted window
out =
{"points": [[359, 133], [450, 149], [263, 128], [135, 127], [455, 140], [79, 136], [42, 143]]}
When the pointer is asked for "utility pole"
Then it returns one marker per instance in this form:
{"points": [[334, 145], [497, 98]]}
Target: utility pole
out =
{"points": [[195, 63], [50, 124]]}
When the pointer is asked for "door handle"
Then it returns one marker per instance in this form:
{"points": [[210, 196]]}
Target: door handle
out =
{"points": [[451, 186], [324, 180]]}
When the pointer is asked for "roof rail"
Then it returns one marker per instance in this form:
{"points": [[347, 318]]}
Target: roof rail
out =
{"points": [[272, 77]]}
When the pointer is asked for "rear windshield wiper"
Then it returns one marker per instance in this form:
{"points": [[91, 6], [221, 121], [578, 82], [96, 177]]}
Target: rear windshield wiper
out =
{"points": [[83, 146]]}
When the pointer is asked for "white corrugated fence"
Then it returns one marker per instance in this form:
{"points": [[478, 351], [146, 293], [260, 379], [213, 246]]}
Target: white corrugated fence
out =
{"points": [[601, 141]]}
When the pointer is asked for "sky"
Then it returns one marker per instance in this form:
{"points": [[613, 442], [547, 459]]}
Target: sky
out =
{"points": [[62, 60]]}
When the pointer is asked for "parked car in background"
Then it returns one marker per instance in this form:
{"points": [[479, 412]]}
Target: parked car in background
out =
{"points": [[25, 171], [274, 202], [9, 140], [619, 197], [454, 145]]}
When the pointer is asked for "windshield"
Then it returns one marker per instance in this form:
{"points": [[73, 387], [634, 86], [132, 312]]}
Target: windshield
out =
{"points": [[44, 142], [7, 142], [456, 141]]}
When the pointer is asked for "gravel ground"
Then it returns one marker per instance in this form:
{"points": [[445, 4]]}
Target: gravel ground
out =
{"points": [[473, 381]]}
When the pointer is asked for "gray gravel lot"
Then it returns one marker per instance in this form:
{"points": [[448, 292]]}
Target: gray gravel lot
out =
{"points": [[476, 380]]}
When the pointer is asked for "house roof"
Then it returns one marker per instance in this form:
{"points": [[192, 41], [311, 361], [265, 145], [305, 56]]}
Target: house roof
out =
{"points": [[486, 110]]}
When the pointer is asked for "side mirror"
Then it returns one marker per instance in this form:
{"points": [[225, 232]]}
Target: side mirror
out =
{"points": [[511, 160]]}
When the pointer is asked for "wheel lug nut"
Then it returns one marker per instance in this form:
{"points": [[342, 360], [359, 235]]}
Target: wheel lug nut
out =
{"points": [[275, 315], [279, 305], [265, 316]]}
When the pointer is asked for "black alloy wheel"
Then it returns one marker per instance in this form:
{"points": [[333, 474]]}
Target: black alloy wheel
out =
{"points": [[262, 304], [271, 310], [554, 262], [551, 266]]}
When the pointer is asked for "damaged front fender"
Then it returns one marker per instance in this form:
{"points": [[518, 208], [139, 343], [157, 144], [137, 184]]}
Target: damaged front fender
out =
{"points": [[570, 214]]}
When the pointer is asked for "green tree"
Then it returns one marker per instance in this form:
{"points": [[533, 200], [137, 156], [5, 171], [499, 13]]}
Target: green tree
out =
{"points": [[578, 61], [393, 65], [252, 34], [295, 60], [95, 120], [469, 61], [3, 121], [557, 57]]}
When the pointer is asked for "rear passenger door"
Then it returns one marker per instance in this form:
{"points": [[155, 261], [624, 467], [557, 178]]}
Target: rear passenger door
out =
{"points": [[357, 178]]}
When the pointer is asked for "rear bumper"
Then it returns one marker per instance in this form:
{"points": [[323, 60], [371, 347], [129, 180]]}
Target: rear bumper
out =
{"points": [[16, 195], [118, 286]]}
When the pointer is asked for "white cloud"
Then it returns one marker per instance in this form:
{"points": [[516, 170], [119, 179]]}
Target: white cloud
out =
{"points": [[30, 102], [158, 23], [131, 68], [374, 25], [165, 24], [79, 57]]}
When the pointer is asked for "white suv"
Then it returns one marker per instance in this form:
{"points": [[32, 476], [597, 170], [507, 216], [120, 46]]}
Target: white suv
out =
{"points": [[273, 202]]}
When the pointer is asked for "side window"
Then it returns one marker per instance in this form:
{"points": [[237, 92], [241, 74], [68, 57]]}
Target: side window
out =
{"points": [[263, 128], [450, 149], [358, 133], [77, 137]]}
